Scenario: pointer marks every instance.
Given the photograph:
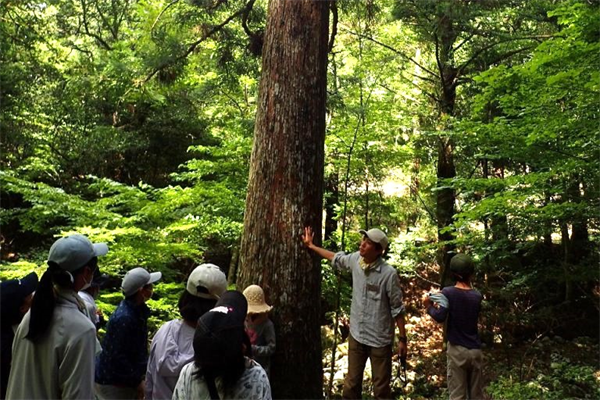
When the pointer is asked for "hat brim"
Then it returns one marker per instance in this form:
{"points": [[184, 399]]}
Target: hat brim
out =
{"points": [[154, 277], [259, 309], [100, 249], [383, 241]]}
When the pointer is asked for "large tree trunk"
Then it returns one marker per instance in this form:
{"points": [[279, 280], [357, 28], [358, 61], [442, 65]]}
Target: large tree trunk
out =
{"points": [[285, 191]]}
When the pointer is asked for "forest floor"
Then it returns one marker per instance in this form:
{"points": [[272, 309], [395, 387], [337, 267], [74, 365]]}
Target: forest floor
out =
{"points": [[527, 362]]}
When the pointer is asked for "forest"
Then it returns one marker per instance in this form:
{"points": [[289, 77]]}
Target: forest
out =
{"points": [[189, 131]]}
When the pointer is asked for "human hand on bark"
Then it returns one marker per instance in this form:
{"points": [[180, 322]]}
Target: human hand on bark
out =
{"points": [[308, 236]]}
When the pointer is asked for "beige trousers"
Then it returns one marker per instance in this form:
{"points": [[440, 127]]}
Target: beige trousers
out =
{"points": [[465, 373]]}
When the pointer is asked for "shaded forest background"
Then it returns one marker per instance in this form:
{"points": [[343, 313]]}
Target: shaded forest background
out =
{"points": [[452, 125]]}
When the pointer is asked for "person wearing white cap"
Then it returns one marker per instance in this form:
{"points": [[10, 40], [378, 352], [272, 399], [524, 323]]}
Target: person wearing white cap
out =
{"points": [[376, 306], [121, 366], [54, 346], [172, 346]]}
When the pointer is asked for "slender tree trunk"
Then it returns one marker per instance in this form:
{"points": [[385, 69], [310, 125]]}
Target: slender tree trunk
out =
{"points": [[445, 165], [567, 259], [331, 201], [285, 191], [580, 238], [232, 272], [445, 203]]}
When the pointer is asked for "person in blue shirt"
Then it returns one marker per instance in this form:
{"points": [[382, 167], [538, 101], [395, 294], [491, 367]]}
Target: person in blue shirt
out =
{"points": [[459, 306], [121, 366]]}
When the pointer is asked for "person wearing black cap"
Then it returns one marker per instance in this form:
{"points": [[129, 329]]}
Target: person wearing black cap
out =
{"points": [[16, 301], [54, 346], [376, 307], [220, 369], [121, 366], [465, 359]]}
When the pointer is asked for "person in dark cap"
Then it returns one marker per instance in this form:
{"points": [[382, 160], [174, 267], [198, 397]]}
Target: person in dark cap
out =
{"points": [[54, 346], [377, 308], [459, 306], [16, 296], [221, 369]]}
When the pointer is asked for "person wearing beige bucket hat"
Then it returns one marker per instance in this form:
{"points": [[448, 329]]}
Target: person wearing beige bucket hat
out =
{"points": [[259, 327]]}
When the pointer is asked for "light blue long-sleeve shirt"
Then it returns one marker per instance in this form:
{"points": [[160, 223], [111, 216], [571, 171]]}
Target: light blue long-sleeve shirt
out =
{"points": [[376, 299]]}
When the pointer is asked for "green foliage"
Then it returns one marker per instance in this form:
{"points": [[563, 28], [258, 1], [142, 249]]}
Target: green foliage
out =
{"points": [[132, 122], [564, 380]]}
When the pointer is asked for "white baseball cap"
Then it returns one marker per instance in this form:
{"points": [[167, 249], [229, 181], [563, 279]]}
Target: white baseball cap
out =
{"points": [[136, 279], [207, 281], [377, 236], [75, 251]]}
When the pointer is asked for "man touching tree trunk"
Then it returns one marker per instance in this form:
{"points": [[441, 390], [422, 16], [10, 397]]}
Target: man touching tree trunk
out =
{"points": [[376, 306]]}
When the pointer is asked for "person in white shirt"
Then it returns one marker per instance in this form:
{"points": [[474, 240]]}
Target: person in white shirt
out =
{"points": [[54, 346], [171, 347], [221, 368], [89, 297]]}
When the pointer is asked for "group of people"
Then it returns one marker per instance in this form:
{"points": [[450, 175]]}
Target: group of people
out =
{"points": [[50, 348], [377, 307], [222, 345]]}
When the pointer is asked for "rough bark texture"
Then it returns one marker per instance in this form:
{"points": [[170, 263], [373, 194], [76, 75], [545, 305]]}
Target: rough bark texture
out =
{"points": [[285, 191]]}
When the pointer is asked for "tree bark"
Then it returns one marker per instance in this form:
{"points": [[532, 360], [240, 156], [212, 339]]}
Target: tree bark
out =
{"points": [[285, 191]]}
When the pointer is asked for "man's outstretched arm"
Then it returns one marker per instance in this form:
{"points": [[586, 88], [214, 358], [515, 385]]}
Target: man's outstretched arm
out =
{"points": [[307, 239]]}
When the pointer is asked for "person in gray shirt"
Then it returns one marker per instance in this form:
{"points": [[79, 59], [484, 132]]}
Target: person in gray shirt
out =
{"points": [[376, 307]]}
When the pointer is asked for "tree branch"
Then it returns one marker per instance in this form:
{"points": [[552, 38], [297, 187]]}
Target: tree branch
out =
{"points": [[479, 52], [334, 24], [391, 49], [87, 31], [193, 46], [161, 14], [466, 40], [245, 15]]}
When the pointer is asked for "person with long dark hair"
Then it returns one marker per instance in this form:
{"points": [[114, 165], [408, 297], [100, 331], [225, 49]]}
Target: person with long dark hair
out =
{"points": [[221, 367], [54, 346], [172, 346]]}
